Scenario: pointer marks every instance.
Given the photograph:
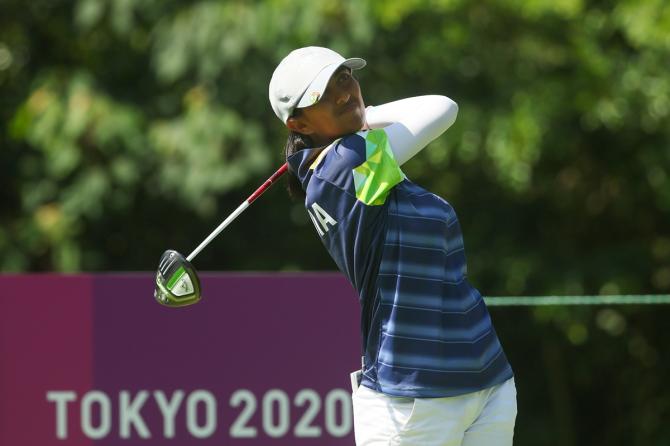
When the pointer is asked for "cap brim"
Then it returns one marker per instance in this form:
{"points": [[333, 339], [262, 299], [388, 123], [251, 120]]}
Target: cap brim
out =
{"points": [[318, 86]]}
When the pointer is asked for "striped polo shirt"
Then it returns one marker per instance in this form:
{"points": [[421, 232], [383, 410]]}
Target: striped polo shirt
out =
{"points": [[426, 331]]}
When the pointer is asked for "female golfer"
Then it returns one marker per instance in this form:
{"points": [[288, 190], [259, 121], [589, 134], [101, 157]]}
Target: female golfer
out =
{"points": [[434, 372]]}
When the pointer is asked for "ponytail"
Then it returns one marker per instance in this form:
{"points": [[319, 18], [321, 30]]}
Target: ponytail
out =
{"points": [[295, 142]]}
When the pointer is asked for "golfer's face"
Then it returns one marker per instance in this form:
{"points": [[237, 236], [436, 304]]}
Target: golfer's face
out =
{"points": [[340, 111]]}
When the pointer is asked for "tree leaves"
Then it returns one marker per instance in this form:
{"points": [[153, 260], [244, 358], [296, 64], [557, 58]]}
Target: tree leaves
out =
{"points": [[166, 100]]}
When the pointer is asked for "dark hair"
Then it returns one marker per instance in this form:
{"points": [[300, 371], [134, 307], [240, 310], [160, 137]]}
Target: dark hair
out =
{"points": [[294, 143]]}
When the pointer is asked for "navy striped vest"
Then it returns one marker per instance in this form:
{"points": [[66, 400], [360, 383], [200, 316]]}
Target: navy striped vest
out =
{"points": [[426, 330]]}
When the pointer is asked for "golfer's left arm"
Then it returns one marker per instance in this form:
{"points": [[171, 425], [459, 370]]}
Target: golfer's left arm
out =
{"points": [[412, 123]]}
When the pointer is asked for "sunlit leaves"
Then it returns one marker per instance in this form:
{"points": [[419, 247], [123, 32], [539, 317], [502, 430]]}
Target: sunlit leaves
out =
{"points": [[206, 151], [209, 38], [79, 139], [646, 24], [564, 119]]}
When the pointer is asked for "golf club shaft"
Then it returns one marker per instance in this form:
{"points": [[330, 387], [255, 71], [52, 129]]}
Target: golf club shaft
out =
{"points": [[275, 176]]}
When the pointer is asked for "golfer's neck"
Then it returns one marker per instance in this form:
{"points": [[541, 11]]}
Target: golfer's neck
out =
{"points": [[320, 140]]}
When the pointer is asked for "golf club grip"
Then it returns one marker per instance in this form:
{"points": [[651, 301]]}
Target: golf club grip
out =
{"points": [[275, 176]]}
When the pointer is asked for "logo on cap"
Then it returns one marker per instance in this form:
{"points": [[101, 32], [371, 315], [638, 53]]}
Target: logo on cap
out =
{"points": [[314, 97]]}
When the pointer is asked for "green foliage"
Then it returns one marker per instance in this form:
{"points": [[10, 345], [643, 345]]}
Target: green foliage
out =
{"points": [[131, 126], [563, 125], [205, 140]]}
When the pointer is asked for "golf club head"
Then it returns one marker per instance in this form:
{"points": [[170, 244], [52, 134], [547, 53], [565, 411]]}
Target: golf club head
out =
{"points": [[177, 283]]}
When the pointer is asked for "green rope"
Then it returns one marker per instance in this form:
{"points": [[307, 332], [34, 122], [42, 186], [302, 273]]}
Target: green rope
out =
{"points": [[629, 299]]}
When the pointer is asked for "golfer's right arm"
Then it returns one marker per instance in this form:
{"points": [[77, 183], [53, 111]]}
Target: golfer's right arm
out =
{"points": [[412, 123]]}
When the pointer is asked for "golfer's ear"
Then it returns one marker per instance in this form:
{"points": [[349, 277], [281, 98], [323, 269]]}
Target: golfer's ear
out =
{"points": [[298, 125]]}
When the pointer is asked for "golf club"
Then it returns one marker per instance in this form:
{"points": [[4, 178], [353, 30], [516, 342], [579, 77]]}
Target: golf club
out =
{"points": [[177, 282]]}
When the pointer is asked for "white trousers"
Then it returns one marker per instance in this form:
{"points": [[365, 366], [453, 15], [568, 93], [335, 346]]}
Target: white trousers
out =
{"points": [[484, 418]]}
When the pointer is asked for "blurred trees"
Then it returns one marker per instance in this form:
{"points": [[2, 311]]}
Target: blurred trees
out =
{"points": [[127, 127], [119, 116]]}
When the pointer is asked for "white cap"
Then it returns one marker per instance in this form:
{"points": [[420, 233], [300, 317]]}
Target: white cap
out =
{"points": [[301, 78]]}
